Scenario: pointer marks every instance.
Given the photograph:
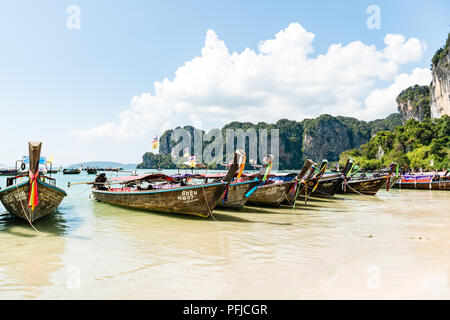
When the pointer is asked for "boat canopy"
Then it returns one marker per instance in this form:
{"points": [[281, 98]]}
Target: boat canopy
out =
{"points": [[188, 175], [158, 177]]}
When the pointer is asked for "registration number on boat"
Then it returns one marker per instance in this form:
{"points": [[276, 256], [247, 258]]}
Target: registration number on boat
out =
{"points": [[20, 196], [187, 195]]}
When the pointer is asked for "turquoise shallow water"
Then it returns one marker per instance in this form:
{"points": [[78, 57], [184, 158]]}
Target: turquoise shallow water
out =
{"points": [[393, 245]]}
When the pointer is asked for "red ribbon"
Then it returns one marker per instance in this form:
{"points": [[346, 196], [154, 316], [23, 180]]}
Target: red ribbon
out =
{"points": [[33, 200]]}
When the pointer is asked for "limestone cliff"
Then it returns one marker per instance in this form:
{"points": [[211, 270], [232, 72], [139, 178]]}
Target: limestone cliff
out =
{"points": [[414, 103], [440, 85], [324, 137], [327, 137]]}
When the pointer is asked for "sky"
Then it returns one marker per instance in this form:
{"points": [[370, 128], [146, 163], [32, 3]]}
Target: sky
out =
{"points": [[99, 85]]}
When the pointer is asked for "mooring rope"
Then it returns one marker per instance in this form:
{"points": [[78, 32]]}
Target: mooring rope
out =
{"points": [[346, 183], [24, 211], [207, 204]]}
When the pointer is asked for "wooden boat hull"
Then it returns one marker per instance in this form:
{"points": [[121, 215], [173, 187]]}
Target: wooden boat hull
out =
{"points": [[270, 195], [328, 187], [197, 200], [15, 200], [367, 186], [236, 198], [433, 185]]}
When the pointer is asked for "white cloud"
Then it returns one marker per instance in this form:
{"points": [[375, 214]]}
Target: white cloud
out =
{"points": [[401, 51], [382, 101], [280, 79]]}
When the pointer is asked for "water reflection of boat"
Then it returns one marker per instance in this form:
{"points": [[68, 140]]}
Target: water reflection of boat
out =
{"points": [[35, 197]]}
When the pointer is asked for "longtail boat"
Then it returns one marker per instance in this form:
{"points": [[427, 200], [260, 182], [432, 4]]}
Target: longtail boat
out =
{"points": [[35, 197], [365, 185], [91, 171], [330, 184], [273, 192], [270, 194], [161, 193], [311, 180], [9, 172], [235, 195], [300, 184], [71, 171], [424, 182]]}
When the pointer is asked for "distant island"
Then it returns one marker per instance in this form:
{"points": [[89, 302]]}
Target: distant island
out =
{"points": [[104, 165]]}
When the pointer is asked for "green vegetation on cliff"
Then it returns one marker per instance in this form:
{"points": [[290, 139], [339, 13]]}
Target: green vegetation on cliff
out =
{"points": [[154, 161], [323, 137], [419, 99], [423, 145], [441, 52]]}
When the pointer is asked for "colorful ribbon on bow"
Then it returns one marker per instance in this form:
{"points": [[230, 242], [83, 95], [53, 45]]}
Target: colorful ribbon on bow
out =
{"points": [[296, 190], [390, 174], [225, 194], [241, 168], [33, 200], [319, 175], [267, 172], [249, 193]]}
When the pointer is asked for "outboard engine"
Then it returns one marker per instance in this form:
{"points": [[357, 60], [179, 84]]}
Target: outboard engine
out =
{"points": [[100, 181]]}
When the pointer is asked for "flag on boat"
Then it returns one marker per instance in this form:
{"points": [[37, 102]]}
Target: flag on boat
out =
{"points": [[190, 161], [155, 142]]}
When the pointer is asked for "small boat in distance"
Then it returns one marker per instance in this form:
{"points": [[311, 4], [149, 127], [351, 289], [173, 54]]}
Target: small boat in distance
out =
{"points": [[53, 171], [71, 171], [8, 172], [35, 197], [91, 170]]}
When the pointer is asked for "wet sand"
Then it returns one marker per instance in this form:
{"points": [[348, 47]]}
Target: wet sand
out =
{"points": [[393, 245]]}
